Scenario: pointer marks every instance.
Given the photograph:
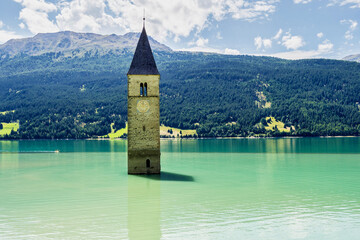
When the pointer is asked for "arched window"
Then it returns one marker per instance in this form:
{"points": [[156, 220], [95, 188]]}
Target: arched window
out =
{"points": [[145, 89], [141, 89], [147, 163]]}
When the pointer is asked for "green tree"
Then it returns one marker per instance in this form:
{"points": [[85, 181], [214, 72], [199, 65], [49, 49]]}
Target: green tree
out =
{"points": [[263, 122]]}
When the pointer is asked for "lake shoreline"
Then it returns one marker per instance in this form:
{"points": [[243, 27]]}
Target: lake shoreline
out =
{"points": [[185, 138]]}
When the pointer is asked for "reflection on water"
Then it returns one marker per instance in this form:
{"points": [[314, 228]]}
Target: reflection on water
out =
{"points": [[144, 210], [6, 162], [209, 189], [64, 146], [246, 145], [269, 145]]}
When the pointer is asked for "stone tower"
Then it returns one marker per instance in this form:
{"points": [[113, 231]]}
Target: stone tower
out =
{"points": [[143, 111]]}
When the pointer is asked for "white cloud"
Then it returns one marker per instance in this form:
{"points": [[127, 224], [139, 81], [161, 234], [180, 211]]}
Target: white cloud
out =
{"points": [[262, 42], [7, 35], [352, 26], [323, 48], [38, 5], [292, 42], [302, 1], [227, 51], [22, 25], [298, 54], [320, 35], [165, 19], [201, 49], [351, 3], [348, 35], [267, 43], [289, 41], [171, 18], [218, 36], [35, 15], [201, 42], [258, 42], [250, 10], [37, 21], [230, 51], [278, 34], [85, 16]]}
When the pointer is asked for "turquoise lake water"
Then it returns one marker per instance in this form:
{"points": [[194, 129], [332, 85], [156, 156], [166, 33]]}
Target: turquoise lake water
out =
{"points": [[292, 188]]}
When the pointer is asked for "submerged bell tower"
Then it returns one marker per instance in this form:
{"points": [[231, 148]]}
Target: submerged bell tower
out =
{"points": [[143, 111]]}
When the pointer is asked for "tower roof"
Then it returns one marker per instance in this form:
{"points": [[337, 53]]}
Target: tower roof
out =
{"points": [[143, 62]]}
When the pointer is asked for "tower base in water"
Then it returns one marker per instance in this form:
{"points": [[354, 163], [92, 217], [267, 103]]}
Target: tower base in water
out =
{"points": [[144, 162]]}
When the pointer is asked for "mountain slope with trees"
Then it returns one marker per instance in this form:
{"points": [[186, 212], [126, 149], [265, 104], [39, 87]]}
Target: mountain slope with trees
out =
{"points": [[64, 94]]}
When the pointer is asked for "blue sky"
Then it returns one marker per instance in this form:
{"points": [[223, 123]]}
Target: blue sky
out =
{"points": [[289, 29]]}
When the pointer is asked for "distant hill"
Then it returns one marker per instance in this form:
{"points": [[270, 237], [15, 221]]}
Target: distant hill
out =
{"points": [[355, 57], [72, 85], [74, 43]]}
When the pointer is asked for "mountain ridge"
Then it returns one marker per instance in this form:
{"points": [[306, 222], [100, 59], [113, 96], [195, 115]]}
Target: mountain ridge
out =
{"points": [[353, 57], [68, 41]]}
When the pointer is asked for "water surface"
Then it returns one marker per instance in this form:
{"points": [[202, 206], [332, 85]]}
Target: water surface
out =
{"points": [[305, 188]]}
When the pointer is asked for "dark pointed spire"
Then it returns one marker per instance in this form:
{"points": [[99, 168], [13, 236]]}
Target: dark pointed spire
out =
{"points": [[143, 62]]}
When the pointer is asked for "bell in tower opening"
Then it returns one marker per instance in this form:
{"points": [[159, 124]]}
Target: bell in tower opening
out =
{"points": [[143, 111]]}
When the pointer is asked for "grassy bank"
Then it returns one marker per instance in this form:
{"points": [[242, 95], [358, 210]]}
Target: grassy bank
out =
{"points": [[8, 127]]}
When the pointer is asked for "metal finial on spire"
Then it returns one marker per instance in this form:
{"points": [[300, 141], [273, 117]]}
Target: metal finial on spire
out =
{"points": [[144, 18]]}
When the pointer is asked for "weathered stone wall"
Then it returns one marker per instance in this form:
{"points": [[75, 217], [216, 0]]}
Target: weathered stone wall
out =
{"points": [[143, 125], [143, 131]]}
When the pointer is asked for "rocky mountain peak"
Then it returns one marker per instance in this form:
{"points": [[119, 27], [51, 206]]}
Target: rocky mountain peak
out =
{"points": [[67, 41], [355, 57]]}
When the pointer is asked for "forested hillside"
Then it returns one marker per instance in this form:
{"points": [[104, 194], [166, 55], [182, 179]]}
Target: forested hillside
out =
{"points": [[62, 95]]}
